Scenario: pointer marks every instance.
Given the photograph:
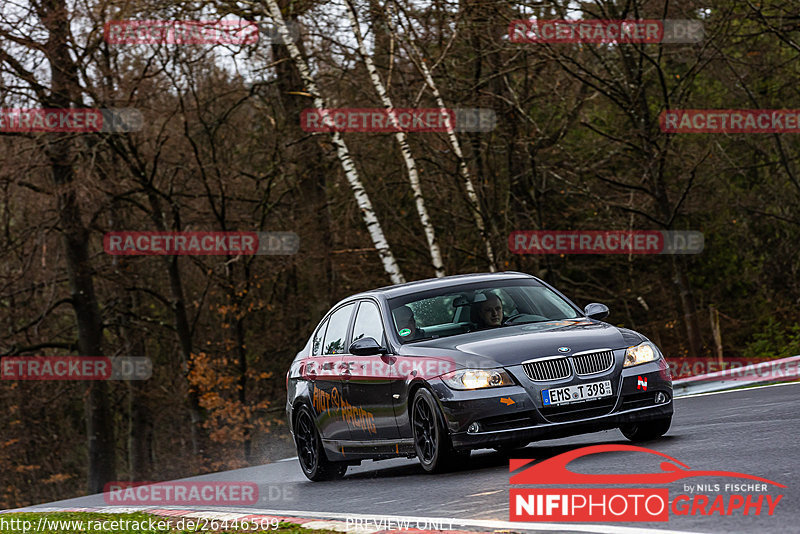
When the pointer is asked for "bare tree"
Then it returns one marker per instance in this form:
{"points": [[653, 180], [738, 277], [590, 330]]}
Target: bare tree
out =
{"points": [[362, 198], [65, 92], [400, 136], [472, 197]]}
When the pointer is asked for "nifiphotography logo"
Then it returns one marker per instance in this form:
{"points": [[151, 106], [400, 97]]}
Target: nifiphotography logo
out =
{"points": [[648, 504]]}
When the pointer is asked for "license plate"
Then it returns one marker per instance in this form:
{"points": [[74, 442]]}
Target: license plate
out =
{"points": [[577, 393]]}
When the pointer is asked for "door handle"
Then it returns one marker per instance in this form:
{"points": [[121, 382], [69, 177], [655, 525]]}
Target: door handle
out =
{"points": [[344, 370], [310, 373]]}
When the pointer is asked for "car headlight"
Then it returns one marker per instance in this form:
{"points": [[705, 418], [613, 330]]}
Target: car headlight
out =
{"points": [[641, 353], [477, 379]]}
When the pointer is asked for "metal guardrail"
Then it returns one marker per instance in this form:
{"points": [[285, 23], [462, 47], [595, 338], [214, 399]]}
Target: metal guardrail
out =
{"points": [[773, 371]]}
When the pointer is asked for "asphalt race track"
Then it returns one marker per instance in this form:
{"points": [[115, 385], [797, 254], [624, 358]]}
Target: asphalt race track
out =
{"points": [[753, 431]]}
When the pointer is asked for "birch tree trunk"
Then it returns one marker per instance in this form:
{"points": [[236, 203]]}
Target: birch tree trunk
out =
{"points": [[400, 136], [472, 196], [350, 172]]}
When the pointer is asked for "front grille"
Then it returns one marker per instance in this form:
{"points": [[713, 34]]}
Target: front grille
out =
{"points": [[578, 411], [594, 362], [552, 369]]}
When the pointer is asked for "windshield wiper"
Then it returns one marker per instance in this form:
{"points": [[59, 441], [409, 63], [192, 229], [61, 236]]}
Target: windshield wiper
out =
{"points": [[421, 339], [511, 320]]}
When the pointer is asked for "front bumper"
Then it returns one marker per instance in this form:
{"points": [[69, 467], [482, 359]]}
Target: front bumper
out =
{"points": [[516, 414]]}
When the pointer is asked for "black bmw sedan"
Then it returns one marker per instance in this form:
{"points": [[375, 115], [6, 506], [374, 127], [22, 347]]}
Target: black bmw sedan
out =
{"points": [[439, 367]]}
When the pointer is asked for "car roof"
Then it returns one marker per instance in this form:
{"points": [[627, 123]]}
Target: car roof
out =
{"points": [[400, 290]]}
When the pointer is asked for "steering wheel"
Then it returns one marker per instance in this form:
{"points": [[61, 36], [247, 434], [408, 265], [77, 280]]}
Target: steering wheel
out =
{"points": [[510, 318]]}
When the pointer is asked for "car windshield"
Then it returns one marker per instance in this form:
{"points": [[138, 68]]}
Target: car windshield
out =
{"points": [[460, 309]]}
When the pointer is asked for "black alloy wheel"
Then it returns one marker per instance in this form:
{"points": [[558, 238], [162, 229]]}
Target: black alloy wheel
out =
{"points": [[313, 462], [431, 440]]}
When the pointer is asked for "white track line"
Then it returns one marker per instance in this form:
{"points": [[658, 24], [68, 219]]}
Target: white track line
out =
{"points": [[735, 390]]}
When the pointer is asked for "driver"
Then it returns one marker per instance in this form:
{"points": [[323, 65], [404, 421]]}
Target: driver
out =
{"points": [[490, 311]]}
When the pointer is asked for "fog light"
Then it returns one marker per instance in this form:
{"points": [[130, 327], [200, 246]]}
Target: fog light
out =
{"points": [[474, 428], [661, 398]]}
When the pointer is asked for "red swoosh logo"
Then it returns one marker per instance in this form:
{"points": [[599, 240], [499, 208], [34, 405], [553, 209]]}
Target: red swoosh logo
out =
{"points": [[554, 470]]}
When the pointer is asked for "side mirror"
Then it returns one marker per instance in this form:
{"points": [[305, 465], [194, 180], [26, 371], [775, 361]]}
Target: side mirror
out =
{"points": [[366, 346], [595, 310]]}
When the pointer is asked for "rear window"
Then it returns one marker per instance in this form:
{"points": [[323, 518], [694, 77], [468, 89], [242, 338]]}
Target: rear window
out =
{"points": [[337, 330], [319, 336]]}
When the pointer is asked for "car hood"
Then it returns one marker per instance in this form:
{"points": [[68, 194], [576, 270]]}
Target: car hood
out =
{"points": [[511, 345]]}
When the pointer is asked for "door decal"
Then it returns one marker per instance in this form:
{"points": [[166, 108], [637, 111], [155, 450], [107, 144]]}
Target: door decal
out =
{"points": [[336, 406]]}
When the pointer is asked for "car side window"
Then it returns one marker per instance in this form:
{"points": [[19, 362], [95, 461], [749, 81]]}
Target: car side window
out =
{"points": [[368, 322], [337, 330], [316, 344]]}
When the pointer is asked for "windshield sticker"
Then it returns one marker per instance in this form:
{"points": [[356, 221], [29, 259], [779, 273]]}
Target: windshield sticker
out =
{"points": [[405, 332]]}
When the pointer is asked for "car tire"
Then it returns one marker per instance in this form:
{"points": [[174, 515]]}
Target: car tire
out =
{"points": [[646, 430], [431, 439], [313, 462]]}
